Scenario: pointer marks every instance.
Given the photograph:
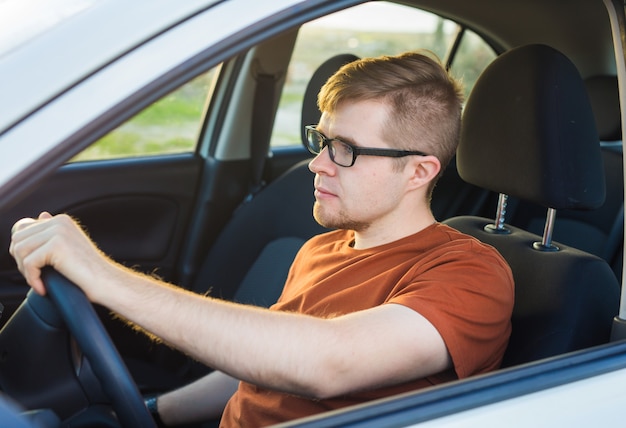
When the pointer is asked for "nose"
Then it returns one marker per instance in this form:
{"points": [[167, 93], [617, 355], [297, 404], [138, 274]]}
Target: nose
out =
{"points": [[322, 163]]}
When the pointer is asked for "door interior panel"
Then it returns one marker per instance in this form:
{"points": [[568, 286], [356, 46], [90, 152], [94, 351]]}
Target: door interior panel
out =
{"points": [[145, 224], [135, 209]]}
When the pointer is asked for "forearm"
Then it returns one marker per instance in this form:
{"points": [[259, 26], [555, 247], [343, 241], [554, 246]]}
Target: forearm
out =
{"points": [[253, 344], [201, 400]]}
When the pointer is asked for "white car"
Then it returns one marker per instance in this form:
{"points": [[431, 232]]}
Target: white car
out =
{"points": [[172, 130]]}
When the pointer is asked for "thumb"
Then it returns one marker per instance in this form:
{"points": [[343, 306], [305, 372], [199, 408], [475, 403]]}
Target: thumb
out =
{"points": [[45, 215]]}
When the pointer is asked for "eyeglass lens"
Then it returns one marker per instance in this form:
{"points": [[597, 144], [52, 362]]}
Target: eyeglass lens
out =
{"points": [[340, 152]]}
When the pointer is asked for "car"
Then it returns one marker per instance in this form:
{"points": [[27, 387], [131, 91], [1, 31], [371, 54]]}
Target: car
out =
{"points": [[172, 131]]}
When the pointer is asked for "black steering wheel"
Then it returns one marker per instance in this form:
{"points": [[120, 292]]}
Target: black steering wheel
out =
{"points": [[107, 364]]}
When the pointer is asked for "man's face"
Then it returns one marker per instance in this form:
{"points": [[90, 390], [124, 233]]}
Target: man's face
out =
{"points": [[367, 193]]}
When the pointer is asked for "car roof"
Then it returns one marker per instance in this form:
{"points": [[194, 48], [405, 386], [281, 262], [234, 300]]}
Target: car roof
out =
{"points": [[580, 29]]}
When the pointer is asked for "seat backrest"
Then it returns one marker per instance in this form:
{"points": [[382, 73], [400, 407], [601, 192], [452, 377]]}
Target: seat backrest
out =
{"points": [[453, 196], [267, 228], [529, 132], [250, 259]]}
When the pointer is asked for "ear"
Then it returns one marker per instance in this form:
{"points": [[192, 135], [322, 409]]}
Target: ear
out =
{"points": [[422, 170]]}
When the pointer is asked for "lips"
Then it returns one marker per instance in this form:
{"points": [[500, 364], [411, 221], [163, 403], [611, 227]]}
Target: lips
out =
{"points": [[322, 192]]}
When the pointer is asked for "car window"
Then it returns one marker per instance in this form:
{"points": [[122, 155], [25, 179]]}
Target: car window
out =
{"points": [[472, 57], [170, 125], [367, 30]]}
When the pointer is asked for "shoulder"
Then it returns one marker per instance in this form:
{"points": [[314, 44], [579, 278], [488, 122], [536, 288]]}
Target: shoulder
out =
{"points": [[450, 240], [465, 289]]}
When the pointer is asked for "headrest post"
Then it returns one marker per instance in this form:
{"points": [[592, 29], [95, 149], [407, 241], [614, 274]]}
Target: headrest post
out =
{"points": [[546, 241], [498, 226]]}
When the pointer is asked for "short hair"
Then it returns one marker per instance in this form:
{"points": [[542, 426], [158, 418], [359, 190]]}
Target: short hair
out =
{"points": [[425, 101]]}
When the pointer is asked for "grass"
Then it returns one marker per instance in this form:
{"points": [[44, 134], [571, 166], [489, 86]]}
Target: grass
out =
{"points": [[168, 126], [121, 143]]}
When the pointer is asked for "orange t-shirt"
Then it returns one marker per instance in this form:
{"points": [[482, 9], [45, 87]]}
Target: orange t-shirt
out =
{"points": [[462, 286]]}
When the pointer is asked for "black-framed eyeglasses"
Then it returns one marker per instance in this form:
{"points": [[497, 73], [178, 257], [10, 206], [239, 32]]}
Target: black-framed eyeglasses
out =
{"points": [[344, 154]]}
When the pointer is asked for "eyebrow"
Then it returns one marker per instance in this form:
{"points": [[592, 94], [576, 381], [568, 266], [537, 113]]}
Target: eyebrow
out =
{"points": [[346, 140], [339, 138]]}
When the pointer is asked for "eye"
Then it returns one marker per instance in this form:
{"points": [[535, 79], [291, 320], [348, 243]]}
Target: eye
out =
{"points": [[344, 149]]}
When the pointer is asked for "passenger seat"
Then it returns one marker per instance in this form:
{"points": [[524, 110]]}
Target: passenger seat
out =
{"points": [[529, 132]]}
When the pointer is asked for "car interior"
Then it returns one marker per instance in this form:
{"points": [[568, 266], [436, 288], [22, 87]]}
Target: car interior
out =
{"points": [[548, 195]]}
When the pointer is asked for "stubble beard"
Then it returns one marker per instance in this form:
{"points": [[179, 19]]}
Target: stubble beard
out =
{"points": [[338, 221]]}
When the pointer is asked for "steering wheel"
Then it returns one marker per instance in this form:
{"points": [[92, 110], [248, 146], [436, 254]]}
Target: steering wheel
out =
{"points": [[107, 364]]}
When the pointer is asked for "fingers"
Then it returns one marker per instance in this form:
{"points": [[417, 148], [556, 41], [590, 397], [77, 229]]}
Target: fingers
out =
{"points": [[56, 241], [31, 254], [31, 273], [32, 247], [44, 215], [21, 224]]}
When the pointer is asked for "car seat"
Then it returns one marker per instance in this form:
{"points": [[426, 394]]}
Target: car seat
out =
{"points": [[529, 132]]}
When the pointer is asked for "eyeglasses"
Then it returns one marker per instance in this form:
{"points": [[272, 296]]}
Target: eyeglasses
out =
{"points": [[344, 154]]}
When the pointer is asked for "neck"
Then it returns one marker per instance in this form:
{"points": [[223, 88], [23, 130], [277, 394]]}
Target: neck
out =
{"points": [[377, 235]]}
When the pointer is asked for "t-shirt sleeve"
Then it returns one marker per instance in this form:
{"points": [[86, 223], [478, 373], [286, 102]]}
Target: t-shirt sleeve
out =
{"points": [[468, 297]]}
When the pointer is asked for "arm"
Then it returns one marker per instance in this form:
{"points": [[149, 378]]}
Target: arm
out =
{"points": [[290, 352]]}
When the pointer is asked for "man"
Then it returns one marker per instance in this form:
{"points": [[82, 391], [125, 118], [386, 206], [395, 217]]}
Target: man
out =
{"points": [[389, 302]]}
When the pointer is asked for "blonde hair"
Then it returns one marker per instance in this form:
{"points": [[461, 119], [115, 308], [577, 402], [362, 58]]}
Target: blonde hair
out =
{"points": [[425, 101]]}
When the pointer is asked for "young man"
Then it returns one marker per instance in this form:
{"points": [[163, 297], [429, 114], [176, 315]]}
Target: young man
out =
{"points": [[389, 302]]}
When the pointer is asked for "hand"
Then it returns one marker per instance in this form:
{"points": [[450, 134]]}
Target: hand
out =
{"points": [[56, 241]]}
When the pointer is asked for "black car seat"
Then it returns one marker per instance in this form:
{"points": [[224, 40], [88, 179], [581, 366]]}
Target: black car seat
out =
{"points": [[599, 231], [529, 132]]}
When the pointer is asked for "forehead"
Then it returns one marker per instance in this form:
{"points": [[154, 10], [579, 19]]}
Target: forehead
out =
{"points": [[356, 121]]}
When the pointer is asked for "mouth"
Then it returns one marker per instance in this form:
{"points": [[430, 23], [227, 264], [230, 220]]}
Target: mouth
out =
{"points": [[323, 193]]}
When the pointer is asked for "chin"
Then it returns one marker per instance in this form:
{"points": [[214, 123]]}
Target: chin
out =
{"points": [[337, 221]]}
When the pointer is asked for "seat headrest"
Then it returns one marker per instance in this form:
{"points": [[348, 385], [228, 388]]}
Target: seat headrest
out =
{"points": [[529, 132], [310, 112], [604, 96]]}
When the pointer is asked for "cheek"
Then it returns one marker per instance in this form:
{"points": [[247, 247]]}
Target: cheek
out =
{"points": [[374, 190]]}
